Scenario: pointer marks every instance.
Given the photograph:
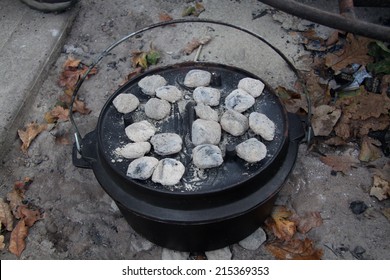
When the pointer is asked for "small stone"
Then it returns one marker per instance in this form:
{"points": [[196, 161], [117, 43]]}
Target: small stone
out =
{"points": [[239, 100], [173, 255], [166, 143], [220, 254], [142, 168], [138, 244], [168, 172], [207, 96], [252, 86], [140, 131], [262, 125], [206, 112], [205, 132], [197, 78], [254, 241], [207, 156], [125, 103], [157, 109], [134, 150], [149, 84], [357, 207], [234, 123], [251, 150], [169, 93]]}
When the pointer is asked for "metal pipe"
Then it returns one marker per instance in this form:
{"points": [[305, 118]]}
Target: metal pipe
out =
{"points": [[336, 21]]}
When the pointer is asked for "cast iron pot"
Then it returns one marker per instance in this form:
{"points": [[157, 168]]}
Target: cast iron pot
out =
{"points": [[203, 212]]}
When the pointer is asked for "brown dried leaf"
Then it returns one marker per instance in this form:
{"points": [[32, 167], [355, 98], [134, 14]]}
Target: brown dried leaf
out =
{"points": [[195, 43], [131, 75], [369, 150], [281, 226], [18, 235], [15, 198], [164, 17], [6, 217], [79, 106], [2, 245], [23, 186], [333, 38], [63, 138], [307, 221], [324, 119], [28, 134], [73, 70], [340, 163], [294, 249], [335, 141], [384, 172], [58, 113], [28, 215], [380, 188], [355, 51], [139, 58]]}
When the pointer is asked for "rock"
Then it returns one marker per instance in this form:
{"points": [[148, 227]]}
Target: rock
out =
{"points": [[138, 244], [207, 156], [197, 78], [169, 93], [149, 84], [234, 123], [254, 241], [140, 131], [166, 143], [125, 103], [173, 255], [220, 254], [251, 150], [168, 172], [262, 125], [207, 96], [252, 86], [357, 207], [239, 100], [205, 132], [157, 109], [134, 150], [142, 168]]}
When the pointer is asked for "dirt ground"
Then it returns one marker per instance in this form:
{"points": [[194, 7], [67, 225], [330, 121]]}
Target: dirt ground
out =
{"points": [[82, 222]]}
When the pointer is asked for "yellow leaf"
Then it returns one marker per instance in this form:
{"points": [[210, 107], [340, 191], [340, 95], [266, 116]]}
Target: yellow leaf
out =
{"points": [[282, 227], [139, 58], [6, 217]]}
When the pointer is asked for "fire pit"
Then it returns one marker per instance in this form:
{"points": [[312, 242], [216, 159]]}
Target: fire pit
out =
{"points": [[208, 208]]}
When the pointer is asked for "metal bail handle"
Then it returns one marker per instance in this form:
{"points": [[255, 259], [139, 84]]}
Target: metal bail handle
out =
{"points": [[77, 135]]}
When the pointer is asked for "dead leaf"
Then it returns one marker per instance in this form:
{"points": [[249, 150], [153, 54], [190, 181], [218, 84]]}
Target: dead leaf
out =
{"points": [[386, 213], [18, 235], [281, 226], [58, 113], [63, 138], [369, 150], [355, 51], [293, 101], [383, 172], [2, 245], [195, 43], [333, 38], [164, 17], [138, 58], [23, 186], [72, 71], [340, 163], [79, 106], [28, 215], [335, 141], [380, 188], [6, 217], [131, 75], [294, 249], [307, 221], [324, 119], [28, 134], [15, 198]]}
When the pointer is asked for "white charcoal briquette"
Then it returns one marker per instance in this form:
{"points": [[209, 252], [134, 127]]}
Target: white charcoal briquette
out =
{"points": [[140, 131], [262, 125], [251, 150], [207, 96], [239, 100], [205, 112], [157, 109], [142, 168], [134, 150], [207, 156], [149, 84], [169, 93], [125, 103], [234, 123], [197, 78], [252, 86], [205, 132], [168, 172], [166, 143]]}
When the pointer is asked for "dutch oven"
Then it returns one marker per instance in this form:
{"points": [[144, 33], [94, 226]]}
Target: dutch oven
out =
{"points": [[203, 212]]}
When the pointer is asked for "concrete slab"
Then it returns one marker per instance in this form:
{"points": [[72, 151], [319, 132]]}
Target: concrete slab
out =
{"points": [[29, 43]]}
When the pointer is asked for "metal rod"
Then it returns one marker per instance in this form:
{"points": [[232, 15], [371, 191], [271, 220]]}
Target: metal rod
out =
{"points": [[336, 21]]}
